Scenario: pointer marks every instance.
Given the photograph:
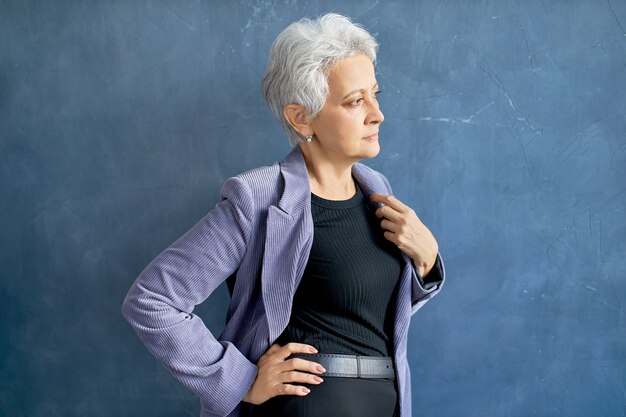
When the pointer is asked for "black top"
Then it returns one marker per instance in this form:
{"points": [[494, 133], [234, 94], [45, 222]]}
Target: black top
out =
{"points": [[345, 302]]}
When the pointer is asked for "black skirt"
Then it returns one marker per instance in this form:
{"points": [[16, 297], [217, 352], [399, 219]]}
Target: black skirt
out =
{"points": [[336, 396]]}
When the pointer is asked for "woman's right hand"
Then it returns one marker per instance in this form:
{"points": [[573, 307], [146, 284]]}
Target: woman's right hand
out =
{"points": [[275, 373]]}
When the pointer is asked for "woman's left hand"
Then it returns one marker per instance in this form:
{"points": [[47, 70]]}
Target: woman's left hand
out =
{"points": [[405, 229]]}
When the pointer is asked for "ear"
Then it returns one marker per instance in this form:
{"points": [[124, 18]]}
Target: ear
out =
{"points": [[296, 115]]}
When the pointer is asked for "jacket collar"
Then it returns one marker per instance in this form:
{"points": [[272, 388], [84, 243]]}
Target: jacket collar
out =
{"points": [[297, 190]]}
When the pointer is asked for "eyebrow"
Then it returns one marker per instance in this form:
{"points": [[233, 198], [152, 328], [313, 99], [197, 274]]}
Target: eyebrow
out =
{"points": [[358, 91]]}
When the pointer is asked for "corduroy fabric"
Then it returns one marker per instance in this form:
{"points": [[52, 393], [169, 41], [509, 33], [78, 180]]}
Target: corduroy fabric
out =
{"points": [[260, 233]]}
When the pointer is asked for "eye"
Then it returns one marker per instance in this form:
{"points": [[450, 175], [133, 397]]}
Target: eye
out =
{"points": [[358, 101]]}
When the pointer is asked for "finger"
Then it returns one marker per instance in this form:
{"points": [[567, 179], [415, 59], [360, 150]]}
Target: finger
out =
{"points": [[273, 348], [391, 236], [389, 213], [295, 376], [302, 365], [288, 389], [390, 201], [294, 347], [389, 225]]}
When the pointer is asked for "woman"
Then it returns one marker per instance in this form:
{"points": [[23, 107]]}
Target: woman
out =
{"points": [[322, 281]]}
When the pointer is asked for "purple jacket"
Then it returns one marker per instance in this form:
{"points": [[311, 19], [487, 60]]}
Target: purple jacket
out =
{"points": [[261, 232]]}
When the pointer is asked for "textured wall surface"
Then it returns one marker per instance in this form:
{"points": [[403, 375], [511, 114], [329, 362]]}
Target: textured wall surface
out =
{"points": [[505, 130]]}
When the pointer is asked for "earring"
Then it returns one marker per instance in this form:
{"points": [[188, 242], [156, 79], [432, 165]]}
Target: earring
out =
{"points": [[308, 138]]}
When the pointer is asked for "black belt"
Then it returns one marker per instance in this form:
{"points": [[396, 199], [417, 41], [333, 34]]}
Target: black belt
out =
{"points": [[351, 366]]}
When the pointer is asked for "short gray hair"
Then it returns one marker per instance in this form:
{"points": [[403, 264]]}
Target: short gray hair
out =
{"points": [[300, 60]]}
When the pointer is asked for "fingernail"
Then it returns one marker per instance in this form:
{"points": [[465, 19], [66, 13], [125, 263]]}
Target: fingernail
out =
{"points": [[318, 379], [320, 368], [306, 390], [312, 349]]}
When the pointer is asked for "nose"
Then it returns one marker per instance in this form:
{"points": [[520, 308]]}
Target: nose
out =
{"points": [[374, 115]]}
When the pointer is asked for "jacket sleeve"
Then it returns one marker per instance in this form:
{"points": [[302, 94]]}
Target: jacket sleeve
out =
{"points": [[423, 288], [159, 304], [422, 292]]}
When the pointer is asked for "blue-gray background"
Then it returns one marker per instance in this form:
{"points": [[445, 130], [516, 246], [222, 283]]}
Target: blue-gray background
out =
{"points": [[505, 131]]}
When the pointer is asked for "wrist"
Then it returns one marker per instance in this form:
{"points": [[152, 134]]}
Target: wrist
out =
{"points": [[420, 267], [246, 398], [424, 268]]}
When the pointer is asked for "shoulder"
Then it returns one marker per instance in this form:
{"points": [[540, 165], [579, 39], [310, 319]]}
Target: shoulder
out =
{"points": [[257, 184], [369, 170], [373, 176]]}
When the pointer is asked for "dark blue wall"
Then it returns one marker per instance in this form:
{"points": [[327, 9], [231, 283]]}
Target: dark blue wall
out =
{"points": [[505, 131]]}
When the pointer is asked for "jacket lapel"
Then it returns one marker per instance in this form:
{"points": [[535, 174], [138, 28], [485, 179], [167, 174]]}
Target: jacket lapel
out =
{"points": [[288, 240]]}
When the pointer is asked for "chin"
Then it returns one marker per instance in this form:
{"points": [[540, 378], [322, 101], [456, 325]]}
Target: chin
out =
{"points": [[372, 151]]}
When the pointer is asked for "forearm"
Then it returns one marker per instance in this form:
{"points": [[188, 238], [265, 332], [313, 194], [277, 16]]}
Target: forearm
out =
{"points": [[216, 371]]}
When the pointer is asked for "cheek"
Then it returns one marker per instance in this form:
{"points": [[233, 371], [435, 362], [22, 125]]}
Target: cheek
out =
{"points": [[349, 123], [343, 124]]}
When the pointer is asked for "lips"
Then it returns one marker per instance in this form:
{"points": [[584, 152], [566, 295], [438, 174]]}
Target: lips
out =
{"points": [[372, 137]]}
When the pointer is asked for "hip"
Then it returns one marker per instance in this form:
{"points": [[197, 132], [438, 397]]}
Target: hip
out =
{"points": [[346, 397]]}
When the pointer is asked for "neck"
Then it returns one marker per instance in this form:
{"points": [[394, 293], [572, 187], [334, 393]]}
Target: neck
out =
{"points": [[328, 178]]}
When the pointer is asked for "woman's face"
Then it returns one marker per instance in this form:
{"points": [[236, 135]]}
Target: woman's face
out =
{"points": [[351, 112]]}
